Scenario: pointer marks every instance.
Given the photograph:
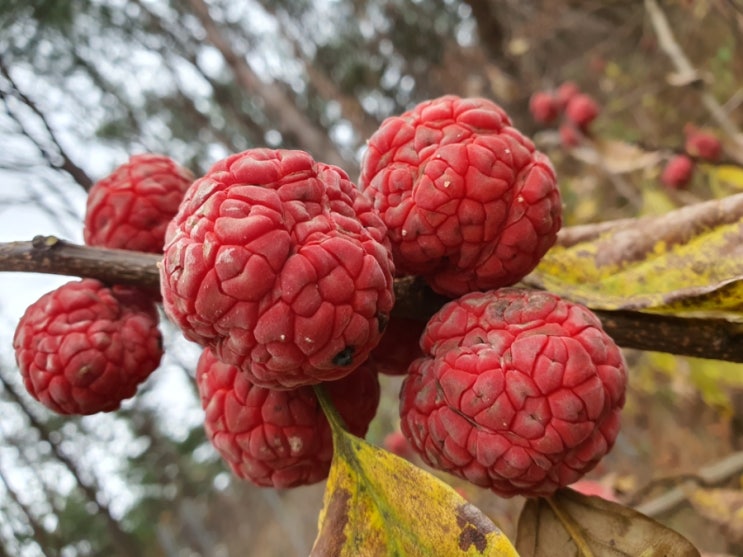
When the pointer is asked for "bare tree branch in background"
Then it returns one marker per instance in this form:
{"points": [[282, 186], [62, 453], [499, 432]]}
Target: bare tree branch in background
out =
{"points": [[289, 120], [240, 120], [65, 163]]}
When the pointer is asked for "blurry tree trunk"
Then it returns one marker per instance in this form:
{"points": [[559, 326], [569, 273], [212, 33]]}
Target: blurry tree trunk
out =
{"points": [[252, 130], [288, 118], [492, 32]]}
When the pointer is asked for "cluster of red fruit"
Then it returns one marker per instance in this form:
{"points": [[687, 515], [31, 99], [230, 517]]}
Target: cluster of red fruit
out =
{"points": [[579, 110], [698, 145], [282, 269], [85, 347]]}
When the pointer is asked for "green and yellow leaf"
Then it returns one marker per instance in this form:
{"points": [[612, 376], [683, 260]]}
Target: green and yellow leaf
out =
{"points": [[379, 504], [683, 262]]}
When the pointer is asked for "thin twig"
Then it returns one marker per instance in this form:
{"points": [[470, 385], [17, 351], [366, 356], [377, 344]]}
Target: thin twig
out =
{"points": [[710, 475], [689, 74]]}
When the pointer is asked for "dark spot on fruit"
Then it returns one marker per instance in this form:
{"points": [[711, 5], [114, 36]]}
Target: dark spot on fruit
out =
{"points": [[344, 357]]}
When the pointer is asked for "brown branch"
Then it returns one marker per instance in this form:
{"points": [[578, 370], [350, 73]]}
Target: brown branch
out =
{"points": [[717, 339], [288, 118], [50, 255]]}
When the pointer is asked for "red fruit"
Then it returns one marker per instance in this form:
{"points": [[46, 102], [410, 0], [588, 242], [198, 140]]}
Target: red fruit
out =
{"points": [[279, 438], [570, 136], [582, 110], [468, 201], [399, 346], [520, 391], [677, 172], [565, 93], [83, 348], [131, 208], [396, 443], [702, 144], [543, 107], [280, 264], [595, 489]]}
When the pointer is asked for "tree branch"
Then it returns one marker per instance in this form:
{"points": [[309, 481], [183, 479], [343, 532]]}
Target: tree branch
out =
{"points": [[717, 339], [50, 255]]}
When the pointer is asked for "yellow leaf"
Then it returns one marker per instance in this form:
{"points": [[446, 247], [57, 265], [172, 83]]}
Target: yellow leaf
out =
{"points": [[683, 262], [728, 175], [379, 504]]}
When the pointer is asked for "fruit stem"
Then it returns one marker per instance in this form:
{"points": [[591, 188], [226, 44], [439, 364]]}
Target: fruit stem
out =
{"points": [[337, 424]]}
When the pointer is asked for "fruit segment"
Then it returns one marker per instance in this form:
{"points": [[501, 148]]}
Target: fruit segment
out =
{"points": [[131, 208], [281, 265], [84, 348], [468, 201], [520, 392], [279, 438]]}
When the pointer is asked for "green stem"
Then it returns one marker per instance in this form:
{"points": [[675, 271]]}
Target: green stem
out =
{"points": [[337, 424]]}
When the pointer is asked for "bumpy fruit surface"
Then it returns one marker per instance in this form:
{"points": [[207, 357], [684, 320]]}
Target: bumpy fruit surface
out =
{"points": [[520, 391], [678, 171], [279, 438], [582, 109], [468, 201], [702, 144], [131, 208], [543, 107], [84, 348], [281, 265]]}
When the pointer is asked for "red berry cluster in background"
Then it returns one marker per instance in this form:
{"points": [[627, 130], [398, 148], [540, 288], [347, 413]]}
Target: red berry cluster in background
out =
{"points": [[282, 269], [699, 144], [578, 111]]}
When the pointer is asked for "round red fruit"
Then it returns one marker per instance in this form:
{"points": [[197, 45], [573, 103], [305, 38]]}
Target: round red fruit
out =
{"points": [[131, 208], [582, 110], [678, 172], [543, 107], [702, 144], [520, 392], [468, 201], [281, 265], [564, 93], [84, 348], [279, 438]]}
